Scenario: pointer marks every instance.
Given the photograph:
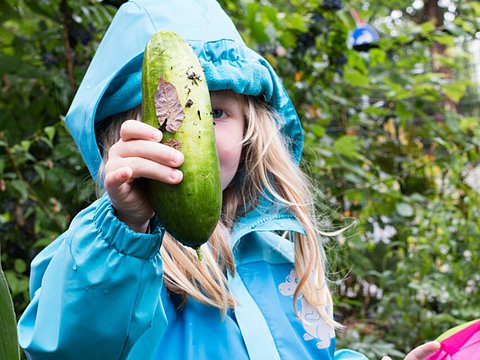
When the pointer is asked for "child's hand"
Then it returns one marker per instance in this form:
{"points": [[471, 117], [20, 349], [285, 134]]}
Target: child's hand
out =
{"points": [[420, 352], [138, 154]]}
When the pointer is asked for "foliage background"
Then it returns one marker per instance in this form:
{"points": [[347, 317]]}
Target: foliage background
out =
{"points": [[392, 140]]}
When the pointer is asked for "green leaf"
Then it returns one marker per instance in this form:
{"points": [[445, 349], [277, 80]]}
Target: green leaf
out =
{"points": [[295, 22], [456, 89], [40, 7], [50, 131], [427, 27], [393, 84], [318, 130], [403, 38], [467, 26], [377, 56], [25, 144], [452, 121], [402, 111], [466, 123], [441, 142], [287, 39], [9, 349], [20, 266], [356, 78], [21, 187], [7, 11], [347, 145], [446, 40], [423, 89], [8, 64], [41, 171], [378, 111], [476, 8], [336, 98], [257, 27], [271, 13]]}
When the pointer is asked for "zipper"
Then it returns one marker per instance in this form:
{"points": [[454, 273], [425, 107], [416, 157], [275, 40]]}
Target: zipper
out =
{"points": [[248, 228]]}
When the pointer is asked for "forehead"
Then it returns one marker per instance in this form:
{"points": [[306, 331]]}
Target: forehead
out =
{"points": [[225, 96]]}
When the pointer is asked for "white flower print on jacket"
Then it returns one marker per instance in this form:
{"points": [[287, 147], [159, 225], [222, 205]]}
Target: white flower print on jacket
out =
{"points": [[315, 327]]}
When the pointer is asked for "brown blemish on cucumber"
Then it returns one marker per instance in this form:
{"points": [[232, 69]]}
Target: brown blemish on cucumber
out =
{"points": [[174, 143]]}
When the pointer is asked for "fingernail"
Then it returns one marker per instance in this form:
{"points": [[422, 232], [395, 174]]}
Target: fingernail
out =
{"points": [[157, 136], [176, 175], [177, 158]]}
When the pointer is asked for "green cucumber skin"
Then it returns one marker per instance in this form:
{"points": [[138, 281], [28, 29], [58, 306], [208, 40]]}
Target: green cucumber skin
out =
{"points": [[189, 211]]}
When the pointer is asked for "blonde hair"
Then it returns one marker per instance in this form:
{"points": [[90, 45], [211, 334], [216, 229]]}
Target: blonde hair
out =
{"points": [[266, 168]]}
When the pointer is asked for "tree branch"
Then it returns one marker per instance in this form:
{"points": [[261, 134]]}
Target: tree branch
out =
{"points": [[66, 45]]}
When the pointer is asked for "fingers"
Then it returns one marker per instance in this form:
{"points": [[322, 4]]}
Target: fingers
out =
{"points": [[139, 154], [150, 150], [141, 140], [136, 130], [421, 352], [141, 168], [118, 182], [153, 170]]}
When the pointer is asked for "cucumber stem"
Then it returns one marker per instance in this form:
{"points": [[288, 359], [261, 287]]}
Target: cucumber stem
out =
{"points": [[199, 253]]}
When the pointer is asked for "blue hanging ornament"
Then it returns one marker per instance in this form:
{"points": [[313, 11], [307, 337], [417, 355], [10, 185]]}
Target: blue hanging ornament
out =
{"points": [[364, 36]]}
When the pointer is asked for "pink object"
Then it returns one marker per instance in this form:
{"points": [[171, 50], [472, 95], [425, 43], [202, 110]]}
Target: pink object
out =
{"points": [[462, 345]]}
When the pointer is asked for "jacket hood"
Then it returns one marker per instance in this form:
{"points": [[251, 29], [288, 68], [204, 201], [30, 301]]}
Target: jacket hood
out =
{"points": [[112, 83]]}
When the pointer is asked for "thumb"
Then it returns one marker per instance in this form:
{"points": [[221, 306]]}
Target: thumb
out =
{"points": [[114, 182]]}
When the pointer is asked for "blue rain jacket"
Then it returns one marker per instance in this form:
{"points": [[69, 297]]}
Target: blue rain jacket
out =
{"points": [[97, 291]]}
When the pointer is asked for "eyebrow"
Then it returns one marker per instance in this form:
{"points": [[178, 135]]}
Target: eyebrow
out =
{"points": [[223, 99]]}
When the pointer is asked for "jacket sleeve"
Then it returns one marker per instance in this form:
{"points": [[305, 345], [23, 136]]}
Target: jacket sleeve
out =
{"points": [[95, 290]]}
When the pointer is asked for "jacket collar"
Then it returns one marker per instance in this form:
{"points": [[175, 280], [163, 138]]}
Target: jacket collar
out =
{"points": [[266, 217]]}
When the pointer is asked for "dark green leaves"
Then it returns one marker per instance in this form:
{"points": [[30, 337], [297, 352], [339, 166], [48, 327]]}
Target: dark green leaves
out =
{"points": [[9, 349]]}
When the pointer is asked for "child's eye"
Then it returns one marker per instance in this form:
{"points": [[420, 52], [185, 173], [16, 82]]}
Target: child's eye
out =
{"points": [[217, 113]]}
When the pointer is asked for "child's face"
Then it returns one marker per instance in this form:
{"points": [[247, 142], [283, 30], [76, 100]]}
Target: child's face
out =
{"points": [[229, 126]]}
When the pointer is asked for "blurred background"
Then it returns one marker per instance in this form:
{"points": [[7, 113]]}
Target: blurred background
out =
{"points": [[388, 93]]}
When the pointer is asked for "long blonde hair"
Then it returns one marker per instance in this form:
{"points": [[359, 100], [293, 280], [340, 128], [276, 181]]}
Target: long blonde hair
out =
{"points": [[266, 168]]}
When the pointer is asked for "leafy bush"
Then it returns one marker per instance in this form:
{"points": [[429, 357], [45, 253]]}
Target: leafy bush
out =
{"points": [[43, 181], [390, 140]]}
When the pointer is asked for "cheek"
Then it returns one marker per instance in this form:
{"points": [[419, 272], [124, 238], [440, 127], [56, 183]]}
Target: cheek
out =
{"points": [[229, 157], [229, 151]]}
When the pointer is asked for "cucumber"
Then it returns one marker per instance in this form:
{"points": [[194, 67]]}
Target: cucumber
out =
{"points": [[190, 210]]}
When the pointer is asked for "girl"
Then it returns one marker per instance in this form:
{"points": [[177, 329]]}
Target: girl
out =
{"points": [[116, 286]]}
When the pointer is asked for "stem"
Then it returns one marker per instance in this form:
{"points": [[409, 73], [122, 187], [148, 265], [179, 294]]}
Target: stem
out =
{"points": [[66, 44], [199, 253]]}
